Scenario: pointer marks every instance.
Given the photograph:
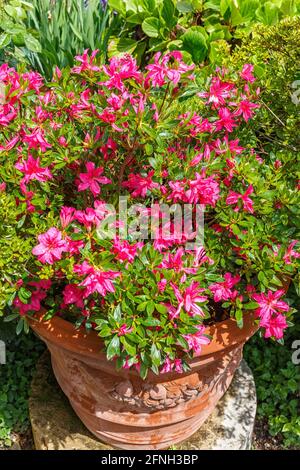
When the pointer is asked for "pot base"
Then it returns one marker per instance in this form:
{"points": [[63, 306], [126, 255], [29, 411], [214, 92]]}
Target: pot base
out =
{"points": [[132, 414], [56, 427]]}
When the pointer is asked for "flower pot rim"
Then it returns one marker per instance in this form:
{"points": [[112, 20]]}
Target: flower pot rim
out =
{"points": [[225, 336]]}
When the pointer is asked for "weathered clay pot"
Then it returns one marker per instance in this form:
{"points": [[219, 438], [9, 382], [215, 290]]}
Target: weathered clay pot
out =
{"points": [[127, 412]]}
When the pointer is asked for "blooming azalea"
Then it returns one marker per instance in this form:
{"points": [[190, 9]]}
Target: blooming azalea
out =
{"points": [[51, 246], [139, 185], [218, 93], [274, 326], [86, 62], [291, 253], [33, 170], [226, 120], [73, 295], [197, 340], [247, 202], [246, 109], [36, 140], [124, 251], [247, 73], [190, 299], [92, 179], [270, 303], [97, 280], [223, 290]]}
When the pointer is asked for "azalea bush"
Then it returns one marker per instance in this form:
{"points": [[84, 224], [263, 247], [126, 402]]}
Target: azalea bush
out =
{"points": [[72, 149]]}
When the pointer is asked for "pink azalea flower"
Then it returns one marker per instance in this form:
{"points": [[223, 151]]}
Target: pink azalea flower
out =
{"points": [[123, 330], [88, 218], [247, 202], [10, 144], [33, 170], [119, 69], [291, 253], [33, 305], [34, 79], [124, 251], [139, 185], [73, 295], [86, 62], [92, 179], [51, 246], [245, 108], [247, 73], [97, 281], [164, 69], [226, 120], [190, 299], [270, 304], [7, 114], [218, 93], [173, 261], [161, 285], [36, 140], [73, 246], [203, 190], [178, 366], [197, 340], [167, 366], [223, 290], [274, 326], [66, 216]]}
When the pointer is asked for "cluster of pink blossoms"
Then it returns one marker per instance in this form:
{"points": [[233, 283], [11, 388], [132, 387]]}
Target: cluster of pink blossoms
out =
{"points": [[112, 130]]}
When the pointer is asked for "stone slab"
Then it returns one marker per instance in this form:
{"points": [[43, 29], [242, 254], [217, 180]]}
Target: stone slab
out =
{"points": [[55, 426]]}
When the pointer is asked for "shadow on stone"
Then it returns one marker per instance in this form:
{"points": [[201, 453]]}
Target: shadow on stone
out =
{"points": [[55, 426]]}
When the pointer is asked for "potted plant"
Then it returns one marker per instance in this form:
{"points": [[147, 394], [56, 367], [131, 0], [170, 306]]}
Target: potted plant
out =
{"points": [[162, 245]]}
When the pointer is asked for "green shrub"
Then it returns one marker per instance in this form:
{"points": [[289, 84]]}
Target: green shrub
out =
{"points": [[197, 27], [277, 382], [15, 248], [276, 54], [15, 377]]}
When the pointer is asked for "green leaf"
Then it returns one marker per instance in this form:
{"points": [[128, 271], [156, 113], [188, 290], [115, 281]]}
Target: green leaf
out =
{"points": [[248, 9], [250, 305], [151, 322], [151, 27], [161, 308], [20, 326], [150, 307], [155, 355], [32, 43], [168, 13], [129, 347], [143, 371], [5, 39], [11, 317], [194, 42], [117, 313], [183, 343], [113, 348], [268, 14], [105, 331], [24, 295]]}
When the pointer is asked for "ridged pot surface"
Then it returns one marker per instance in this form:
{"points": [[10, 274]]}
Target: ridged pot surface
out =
{"points": [[119, 407]]}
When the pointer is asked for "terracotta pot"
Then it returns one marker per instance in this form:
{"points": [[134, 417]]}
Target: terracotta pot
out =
{"points": [[127, 412]]}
